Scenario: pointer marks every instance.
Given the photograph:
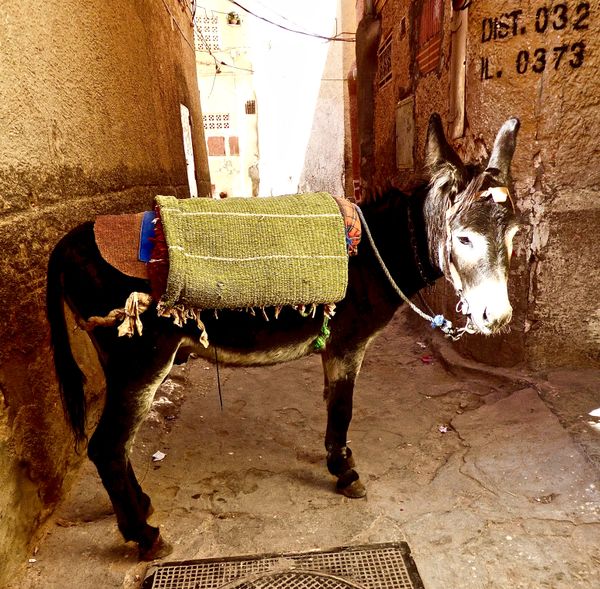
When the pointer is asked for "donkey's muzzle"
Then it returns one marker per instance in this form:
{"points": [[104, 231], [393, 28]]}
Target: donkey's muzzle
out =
{"points": [[494, 320], [488, 306]]}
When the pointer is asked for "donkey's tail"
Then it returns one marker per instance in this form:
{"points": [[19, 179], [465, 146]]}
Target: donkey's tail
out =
{"points": [[70, 377]]}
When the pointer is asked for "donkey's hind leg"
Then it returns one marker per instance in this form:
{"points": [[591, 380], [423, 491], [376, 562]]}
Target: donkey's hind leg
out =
{"points": [[341, 371], [130, 388]]}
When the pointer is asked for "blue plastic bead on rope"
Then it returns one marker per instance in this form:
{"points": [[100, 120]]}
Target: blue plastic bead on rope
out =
{"points": [[438, 321]]}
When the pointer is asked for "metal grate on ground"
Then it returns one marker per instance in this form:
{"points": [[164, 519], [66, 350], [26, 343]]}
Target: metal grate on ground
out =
{"points": [[376, 566]]}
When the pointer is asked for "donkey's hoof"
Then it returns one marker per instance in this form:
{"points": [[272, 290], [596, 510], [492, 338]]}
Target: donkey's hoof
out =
{"points": [[159, 549], [355, 490]]}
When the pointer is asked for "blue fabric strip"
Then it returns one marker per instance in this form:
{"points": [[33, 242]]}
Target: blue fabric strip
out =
{"points": [[147, 236]]}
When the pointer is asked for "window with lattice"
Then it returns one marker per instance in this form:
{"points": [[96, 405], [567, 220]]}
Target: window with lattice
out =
{"points": [[207, 35], [216, 120], [430, 35], [250, 107], [384, 62]]}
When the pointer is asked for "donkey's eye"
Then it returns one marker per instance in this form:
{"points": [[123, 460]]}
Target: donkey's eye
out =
{"points": [[464, 240]]}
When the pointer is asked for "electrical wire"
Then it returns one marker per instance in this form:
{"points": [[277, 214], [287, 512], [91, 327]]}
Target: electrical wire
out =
{"points": [[208, 49], [281, 26], [334, 38], [190, 5], [217, 68], [250, 72], [236, 67], [282, 16], [223, 63], [174, 20], [218, 62]]}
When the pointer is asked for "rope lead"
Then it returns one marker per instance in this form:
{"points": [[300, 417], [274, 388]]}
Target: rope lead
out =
{"points": [[439, 321]]}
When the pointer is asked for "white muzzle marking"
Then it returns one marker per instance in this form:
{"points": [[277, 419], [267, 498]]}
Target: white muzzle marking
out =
{"points": [[488, 305]]}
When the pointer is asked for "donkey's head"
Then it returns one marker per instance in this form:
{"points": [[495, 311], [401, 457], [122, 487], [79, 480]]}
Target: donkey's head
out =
{"points": [[471, 225]]}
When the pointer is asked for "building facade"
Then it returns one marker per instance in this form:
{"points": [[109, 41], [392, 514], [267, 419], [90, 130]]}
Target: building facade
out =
{"points": [[272, 87], [226, 82]]}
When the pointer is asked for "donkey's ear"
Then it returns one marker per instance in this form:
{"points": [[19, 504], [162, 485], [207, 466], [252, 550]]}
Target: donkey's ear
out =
{"points": [[503, 151], [444, 166]]}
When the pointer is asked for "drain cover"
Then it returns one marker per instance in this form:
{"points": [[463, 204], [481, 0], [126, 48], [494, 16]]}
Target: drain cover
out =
{"points": [[376, 566]]}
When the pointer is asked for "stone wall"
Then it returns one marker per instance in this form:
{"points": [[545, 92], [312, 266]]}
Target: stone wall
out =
{"points": [[537, 61], [90, 123]]}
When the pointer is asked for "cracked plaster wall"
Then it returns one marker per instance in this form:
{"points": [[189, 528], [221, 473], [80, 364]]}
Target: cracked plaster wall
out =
{"points": [[89, 124], [538, 61]]}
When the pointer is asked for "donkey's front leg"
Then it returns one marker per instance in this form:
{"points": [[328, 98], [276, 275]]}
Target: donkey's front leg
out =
{"points": [[341, 371]]}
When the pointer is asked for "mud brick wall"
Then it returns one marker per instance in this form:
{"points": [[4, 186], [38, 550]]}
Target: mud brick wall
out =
{"points": [[90, 123], [536, 60]]}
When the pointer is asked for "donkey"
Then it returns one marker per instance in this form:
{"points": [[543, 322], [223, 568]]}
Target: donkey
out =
{"points": [[459, 226]]}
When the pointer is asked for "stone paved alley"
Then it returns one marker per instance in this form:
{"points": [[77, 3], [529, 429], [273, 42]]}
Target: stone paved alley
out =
{"points": [[490, 475]]}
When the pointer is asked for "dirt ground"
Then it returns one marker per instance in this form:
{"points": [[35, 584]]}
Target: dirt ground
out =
{"points": [[491, 476]]}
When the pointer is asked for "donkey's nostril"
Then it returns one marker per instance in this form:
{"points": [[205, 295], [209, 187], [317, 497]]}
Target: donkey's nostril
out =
{"points": [[495, 322]]}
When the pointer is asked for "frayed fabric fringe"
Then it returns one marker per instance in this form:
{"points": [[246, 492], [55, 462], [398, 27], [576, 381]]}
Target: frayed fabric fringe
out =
{"points": [[129, 322], [181, 315]]}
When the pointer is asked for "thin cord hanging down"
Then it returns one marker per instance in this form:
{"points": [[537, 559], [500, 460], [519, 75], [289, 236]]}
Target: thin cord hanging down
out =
{"points": [[218, 378]]}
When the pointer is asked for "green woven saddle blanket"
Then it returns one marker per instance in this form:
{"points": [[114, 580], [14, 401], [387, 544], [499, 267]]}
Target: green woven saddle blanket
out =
{"points": [[259, 252]]}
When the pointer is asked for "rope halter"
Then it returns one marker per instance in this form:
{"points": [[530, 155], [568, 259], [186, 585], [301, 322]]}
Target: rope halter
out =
{"points": [[436, 321]]}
